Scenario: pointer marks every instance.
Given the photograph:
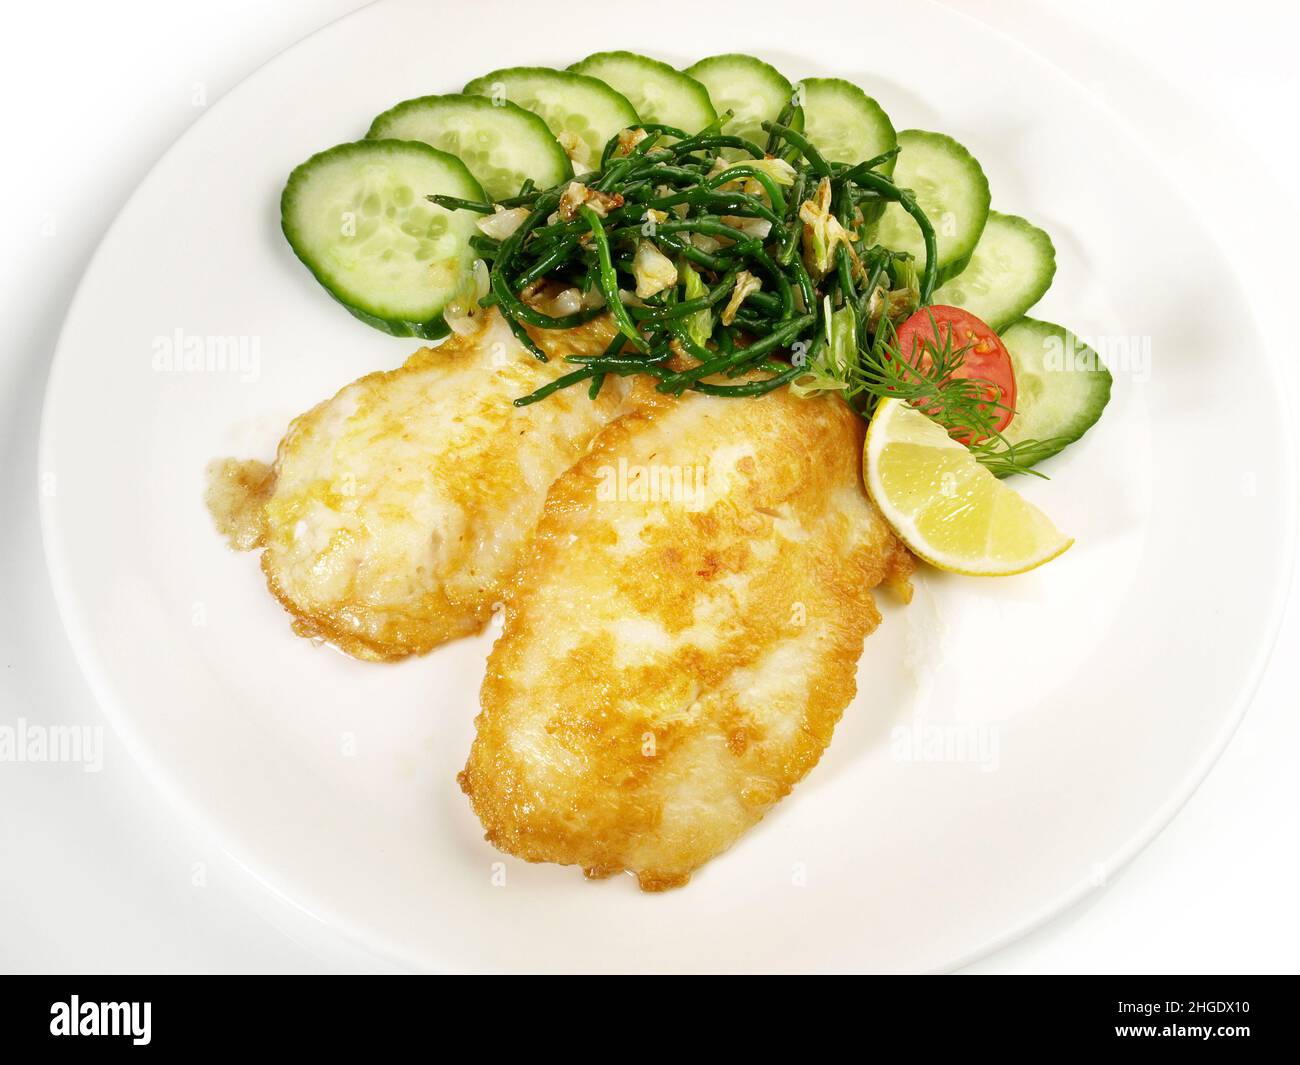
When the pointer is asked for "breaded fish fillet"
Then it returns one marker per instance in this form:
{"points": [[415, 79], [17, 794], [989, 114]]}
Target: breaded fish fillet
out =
{"points": [[397, 513], [684, 636]]}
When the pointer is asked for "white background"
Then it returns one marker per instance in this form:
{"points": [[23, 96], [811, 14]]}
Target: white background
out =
{"points": [[96, 874]]}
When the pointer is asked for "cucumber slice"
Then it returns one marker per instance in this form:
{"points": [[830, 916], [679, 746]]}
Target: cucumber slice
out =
{"points": [[657, 91], [953, 192], [357, 217], [844, 123], [501, 145], [1012, 267], [753, 90], [1061, 384], [582, 112]]}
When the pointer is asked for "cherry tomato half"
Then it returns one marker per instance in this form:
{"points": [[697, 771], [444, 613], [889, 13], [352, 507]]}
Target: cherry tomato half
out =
{"points": [[985, 357]]}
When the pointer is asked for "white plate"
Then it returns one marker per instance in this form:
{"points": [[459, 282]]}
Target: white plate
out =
{"points": [[1092, 696]]}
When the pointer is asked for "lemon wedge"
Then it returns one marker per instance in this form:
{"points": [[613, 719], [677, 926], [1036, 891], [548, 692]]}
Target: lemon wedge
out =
{"points": [[945, 506]]}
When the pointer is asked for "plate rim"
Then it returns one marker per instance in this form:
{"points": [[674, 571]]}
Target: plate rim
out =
{"points": [[1165, 814]]}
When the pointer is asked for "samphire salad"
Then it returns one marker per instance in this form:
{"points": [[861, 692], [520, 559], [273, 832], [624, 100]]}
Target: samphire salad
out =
{"points": [[746, 234]]}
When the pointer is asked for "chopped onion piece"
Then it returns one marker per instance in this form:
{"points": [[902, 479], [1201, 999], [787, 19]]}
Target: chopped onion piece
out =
{"points": [[567, 302], [629, 139], [503, 223], [463, 314], [579, 195], [778, 170], [653, 270], [822, 233], [575, 150], [746, 283], [751, 227]]}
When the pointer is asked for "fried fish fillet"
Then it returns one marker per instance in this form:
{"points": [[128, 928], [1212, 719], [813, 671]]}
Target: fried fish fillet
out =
{"points": [[397, 513], [684, 636]]}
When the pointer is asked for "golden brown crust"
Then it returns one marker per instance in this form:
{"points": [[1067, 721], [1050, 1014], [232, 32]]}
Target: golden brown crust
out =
{"points": [[670, 668], [399, 510]]}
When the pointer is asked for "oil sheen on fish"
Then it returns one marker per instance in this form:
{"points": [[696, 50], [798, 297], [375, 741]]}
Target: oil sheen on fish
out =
{"points": [[397, 512], [684, 636]]}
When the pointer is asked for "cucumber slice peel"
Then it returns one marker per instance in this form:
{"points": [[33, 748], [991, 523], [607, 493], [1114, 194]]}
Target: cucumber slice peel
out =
{"points": [[845, 124], [1062, 386], [754, 91], [356, 216], [501, 144], [1011, 269], [659, 92], [953, 192]]}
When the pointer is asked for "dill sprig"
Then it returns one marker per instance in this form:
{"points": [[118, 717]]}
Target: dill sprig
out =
{"points": [[1003, 459], [969, 408]]}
